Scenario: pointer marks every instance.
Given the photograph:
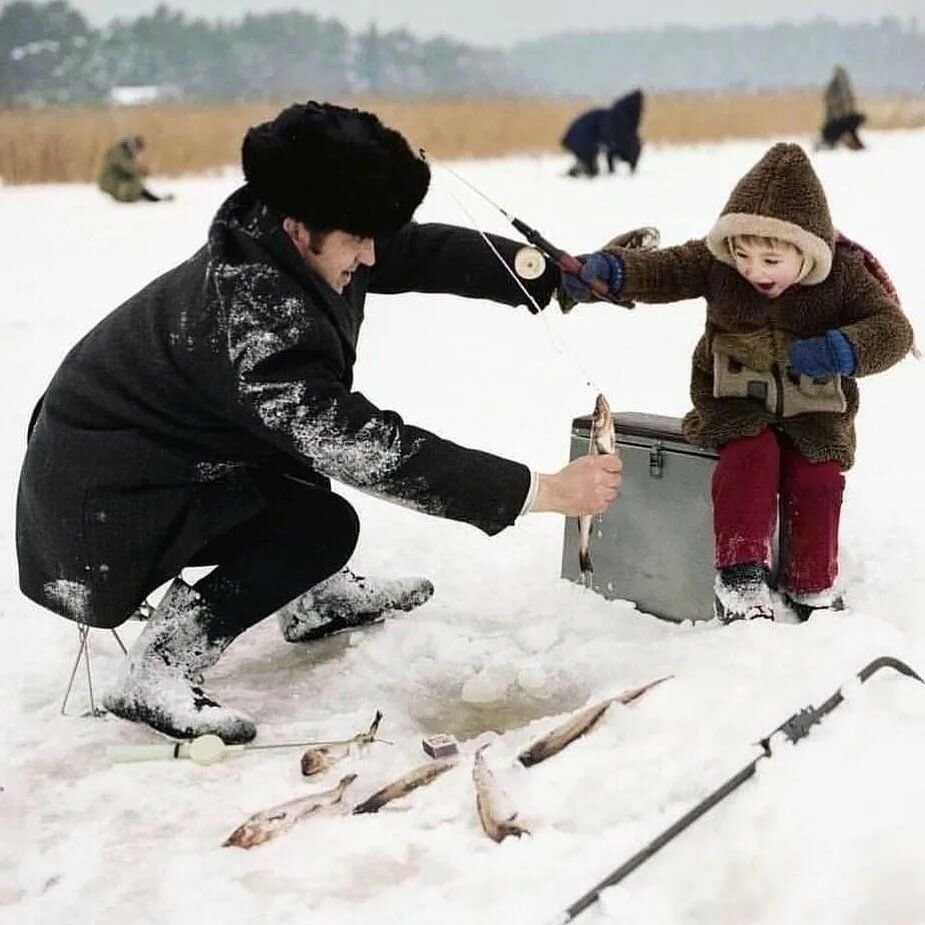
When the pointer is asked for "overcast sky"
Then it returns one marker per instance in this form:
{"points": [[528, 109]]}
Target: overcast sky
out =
{"points": [[502, 22]]}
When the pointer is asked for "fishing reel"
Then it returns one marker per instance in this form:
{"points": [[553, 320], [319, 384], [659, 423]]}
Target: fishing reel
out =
{"points": [[529, 263]]}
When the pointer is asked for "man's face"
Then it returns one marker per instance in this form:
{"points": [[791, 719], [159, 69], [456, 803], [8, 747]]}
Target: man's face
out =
{"points": [[333, 255], [771, 269]]}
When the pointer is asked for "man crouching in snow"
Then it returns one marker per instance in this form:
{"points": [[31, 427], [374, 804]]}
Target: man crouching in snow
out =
{"points": [[200, 422]]}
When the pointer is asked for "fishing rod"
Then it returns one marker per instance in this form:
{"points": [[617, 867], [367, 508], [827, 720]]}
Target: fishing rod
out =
{"points": [[562, 259], [204, 749], [529, 264], [209, 748]]}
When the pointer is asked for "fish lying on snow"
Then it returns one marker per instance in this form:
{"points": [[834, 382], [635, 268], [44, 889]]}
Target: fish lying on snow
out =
{"points": [[271, 822], [418, 777], [603, 439], [553, 742], [495, 813]]}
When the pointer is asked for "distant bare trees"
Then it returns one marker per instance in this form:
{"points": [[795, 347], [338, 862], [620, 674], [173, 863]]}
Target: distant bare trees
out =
{"points": [[50, 54]]}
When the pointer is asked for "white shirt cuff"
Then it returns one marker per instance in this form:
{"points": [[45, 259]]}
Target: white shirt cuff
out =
{"points": [[531, 494]]}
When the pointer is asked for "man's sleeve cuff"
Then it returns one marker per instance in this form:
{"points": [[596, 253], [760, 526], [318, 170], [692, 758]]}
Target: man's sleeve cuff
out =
{"points": [[531, 494]]}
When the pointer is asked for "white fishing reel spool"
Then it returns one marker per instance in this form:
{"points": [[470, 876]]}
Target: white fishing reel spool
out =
{"points": [[529, 263], [204, 749]]}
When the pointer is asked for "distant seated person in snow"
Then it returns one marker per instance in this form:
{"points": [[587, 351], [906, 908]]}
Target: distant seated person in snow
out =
{"points": [[613, 131], [122, 173], [795, 314], [201, 422]]}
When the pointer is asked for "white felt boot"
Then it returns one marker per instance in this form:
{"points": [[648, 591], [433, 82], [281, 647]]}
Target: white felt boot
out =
{"points": [[345, 601], [159, 680]]}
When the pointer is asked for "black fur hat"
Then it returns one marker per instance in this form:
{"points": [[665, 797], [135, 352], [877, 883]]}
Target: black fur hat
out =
{"points": [[335, 168]]}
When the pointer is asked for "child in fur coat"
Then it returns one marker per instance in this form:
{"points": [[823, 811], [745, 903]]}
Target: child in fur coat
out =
{"points": [[795, 314]]}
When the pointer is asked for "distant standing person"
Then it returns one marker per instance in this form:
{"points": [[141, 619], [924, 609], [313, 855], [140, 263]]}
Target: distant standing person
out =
{"points": [[615, 131], [122, 172], [842, 118], [626, 145]]}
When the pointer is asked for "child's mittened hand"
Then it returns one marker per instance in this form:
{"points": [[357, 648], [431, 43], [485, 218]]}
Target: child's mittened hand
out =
{"points": [[823, 356], [599, 265]]}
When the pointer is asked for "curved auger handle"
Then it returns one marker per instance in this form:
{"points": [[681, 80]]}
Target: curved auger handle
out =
{"points": [[887, 661]]}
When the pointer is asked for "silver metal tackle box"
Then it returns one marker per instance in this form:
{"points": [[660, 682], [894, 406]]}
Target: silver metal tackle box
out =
{"points": [[654, 544]]}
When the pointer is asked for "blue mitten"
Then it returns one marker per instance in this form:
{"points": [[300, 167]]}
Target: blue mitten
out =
{"points": [[823, 356], [599, 265]]}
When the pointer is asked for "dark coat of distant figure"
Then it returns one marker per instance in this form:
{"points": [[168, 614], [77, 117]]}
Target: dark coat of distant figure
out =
{"points": [[615, 131], [842, 118]]}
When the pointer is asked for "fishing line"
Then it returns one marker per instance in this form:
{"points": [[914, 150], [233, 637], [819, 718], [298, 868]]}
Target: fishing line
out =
{"points": [[560, 348], [474, 189], [209, 748]]}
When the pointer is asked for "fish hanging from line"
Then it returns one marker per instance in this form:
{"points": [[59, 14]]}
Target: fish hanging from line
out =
{"points": [[602, 439]]}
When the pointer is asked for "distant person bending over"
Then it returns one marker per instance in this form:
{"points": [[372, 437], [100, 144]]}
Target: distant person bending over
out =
{"points": [[122, 173], [842, 118], [795, 314], [201, 422], [613, 131]]}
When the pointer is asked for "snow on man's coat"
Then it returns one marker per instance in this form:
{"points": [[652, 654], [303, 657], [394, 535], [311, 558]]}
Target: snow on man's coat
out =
{"points": [[238, 361]]}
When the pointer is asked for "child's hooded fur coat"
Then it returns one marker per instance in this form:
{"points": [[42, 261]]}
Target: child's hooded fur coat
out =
{"points": [[741, 381]]}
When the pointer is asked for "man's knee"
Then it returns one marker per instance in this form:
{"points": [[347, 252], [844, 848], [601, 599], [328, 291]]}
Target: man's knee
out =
{"points": [[326, 542], [345, 528], [306, 510]]}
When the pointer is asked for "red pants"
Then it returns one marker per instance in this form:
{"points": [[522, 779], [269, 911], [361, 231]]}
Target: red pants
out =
{"points": [[752, 473]]}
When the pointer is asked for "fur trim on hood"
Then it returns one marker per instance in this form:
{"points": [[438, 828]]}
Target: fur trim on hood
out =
{"points": [[780, 197]]}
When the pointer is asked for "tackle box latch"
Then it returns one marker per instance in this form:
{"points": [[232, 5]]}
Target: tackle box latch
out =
{"points": [[656, 460]]}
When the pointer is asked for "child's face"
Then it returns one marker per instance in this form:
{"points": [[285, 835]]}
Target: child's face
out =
{"points": [[771, 269]]}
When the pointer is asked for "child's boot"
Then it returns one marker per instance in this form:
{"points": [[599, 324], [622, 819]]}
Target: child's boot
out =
{"points": [[741, 593], [803, 603]]}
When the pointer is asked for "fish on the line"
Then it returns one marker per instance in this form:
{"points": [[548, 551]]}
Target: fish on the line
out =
{"points": [[602, 439], [323, 756]]}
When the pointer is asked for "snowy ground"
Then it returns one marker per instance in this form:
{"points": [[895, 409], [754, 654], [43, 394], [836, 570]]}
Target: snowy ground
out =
{"points": [[828, 831]]}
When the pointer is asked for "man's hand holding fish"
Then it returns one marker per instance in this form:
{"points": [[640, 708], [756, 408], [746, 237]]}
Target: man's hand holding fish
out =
{"points": [[586, 485]]}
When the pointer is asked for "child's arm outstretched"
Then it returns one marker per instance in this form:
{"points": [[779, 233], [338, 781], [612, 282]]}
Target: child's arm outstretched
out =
{"points": [[670, 274]]}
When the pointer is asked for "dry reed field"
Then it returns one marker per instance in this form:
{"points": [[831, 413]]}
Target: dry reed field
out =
{"points": [[65, 145]]}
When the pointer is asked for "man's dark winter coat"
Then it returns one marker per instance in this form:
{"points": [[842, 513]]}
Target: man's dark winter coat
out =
{"points": [[237, 360]]}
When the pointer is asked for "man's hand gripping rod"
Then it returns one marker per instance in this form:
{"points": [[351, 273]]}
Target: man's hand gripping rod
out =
{"points": [[562, 259]]}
